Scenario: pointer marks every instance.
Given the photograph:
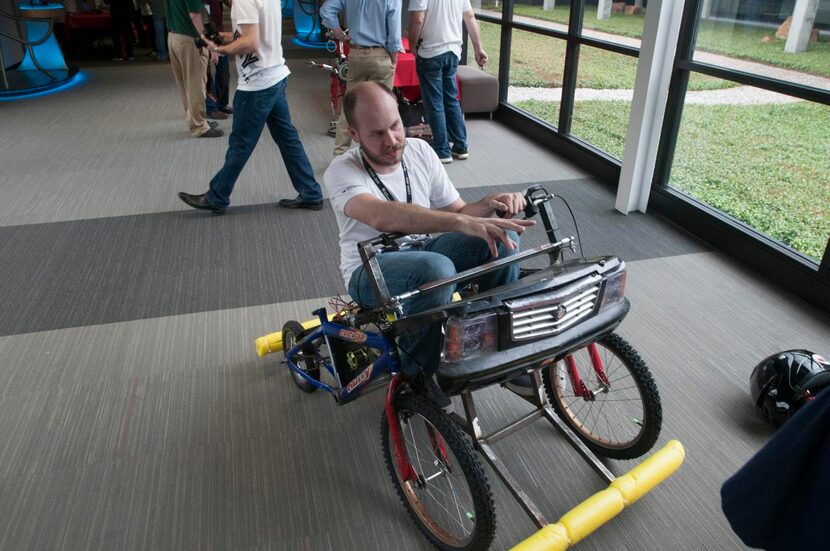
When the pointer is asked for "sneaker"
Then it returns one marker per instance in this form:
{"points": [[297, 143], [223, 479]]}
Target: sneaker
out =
{"points": [[217, 115], [212, 133], [118, 59], [130, 58], [446, 160], [460, 154], [522, 385]]}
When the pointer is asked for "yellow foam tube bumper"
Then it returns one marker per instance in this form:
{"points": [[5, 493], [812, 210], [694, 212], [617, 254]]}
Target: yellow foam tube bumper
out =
{"points": [[272, 342], [598, 509]]}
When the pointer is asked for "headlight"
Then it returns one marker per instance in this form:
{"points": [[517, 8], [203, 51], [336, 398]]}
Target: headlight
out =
{"points": [[614, 289], [465, 338]]}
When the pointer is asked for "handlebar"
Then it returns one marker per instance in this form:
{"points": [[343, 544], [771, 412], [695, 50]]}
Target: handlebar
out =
{"points": [[537, 202]]}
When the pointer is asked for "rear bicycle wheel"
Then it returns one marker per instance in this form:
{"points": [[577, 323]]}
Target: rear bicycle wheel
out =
{"points": [[620, 419], [292, 333], [450, 501]]}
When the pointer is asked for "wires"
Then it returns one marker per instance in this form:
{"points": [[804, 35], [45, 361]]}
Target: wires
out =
{"points": [[576, 227]]}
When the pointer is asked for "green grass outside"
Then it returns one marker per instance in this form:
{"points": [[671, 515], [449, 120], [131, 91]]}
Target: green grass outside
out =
{"points": [[766, 165], [539, 61], [730, 39]]}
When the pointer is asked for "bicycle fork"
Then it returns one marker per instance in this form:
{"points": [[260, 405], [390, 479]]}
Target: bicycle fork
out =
{"points": [[580, 389]]}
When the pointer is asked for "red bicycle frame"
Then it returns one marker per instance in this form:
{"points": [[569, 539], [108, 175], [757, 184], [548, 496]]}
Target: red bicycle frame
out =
{"points": [[580, 388]]}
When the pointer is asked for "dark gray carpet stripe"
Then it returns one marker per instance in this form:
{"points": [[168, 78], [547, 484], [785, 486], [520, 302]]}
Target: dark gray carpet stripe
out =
{"points": [[70, 274]]}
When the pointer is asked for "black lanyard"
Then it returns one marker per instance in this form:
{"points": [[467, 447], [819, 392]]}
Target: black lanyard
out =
{"points": [[386, 193]]}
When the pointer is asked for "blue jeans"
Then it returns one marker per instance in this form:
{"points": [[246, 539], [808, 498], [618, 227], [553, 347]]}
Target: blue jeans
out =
{"points": [[442, 256], [160, 27], [219, 86], [441, 107], [252, 111]]}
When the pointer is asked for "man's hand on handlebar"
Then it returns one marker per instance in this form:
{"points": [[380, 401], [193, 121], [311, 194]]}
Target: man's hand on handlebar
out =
{"points": [[506, 205], [493, 230]]}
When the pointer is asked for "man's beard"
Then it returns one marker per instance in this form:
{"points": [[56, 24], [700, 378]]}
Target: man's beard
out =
{"points": [[380, 159]]}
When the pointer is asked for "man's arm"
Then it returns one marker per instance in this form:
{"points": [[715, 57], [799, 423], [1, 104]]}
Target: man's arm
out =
{"points": [[393, 31], [196, 19], [330, 14], [247, 43], [475, 37], [394, 216], [416, 24]]}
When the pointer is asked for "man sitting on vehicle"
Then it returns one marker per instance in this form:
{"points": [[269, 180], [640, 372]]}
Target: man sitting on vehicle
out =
{"points": [[394, 184]]}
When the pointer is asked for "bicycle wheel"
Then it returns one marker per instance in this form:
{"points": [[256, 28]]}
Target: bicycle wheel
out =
{"points": [[292, 332], [450, 502], [621, 419]]}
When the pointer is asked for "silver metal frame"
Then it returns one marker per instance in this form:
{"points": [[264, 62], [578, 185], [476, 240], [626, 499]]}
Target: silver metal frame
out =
{"points": [[483, 443]]}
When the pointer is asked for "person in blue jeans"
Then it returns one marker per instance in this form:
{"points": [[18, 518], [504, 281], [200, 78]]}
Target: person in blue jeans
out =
{"points": [[259, 101], [394, 184], [435, 38]]}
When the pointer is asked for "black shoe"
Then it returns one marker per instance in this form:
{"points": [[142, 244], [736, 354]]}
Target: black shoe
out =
{"points": [[212, 133], [228, 110], [521, 385], [213, 124], [300, 204], [199, 202], [217, 115], [429, 389]]}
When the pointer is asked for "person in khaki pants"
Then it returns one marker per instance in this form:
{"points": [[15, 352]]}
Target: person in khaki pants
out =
{"points": [[374, 39], [190, 64]]}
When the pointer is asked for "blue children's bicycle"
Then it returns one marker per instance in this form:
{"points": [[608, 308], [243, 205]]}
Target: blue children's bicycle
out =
{"points": [[553, 327]]}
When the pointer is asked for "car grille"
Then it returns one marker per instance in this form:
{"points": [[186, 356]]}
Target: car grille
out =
{"points": [[553, 312]]}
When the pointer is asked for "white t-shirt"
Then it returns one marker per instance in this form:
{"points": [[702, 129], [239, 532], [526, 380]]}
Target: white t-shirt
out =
{"points": [[265, 67], [441, 32], [347, 177]]}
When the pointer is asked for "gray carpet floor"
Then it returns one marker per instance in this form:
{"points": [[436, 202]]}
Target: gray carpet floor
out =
{"points": [[134, 413]]}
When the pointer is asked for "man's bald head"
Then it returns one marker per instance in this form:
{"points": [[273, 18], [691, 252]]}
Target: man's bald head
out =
{"points": [[367, 96]]}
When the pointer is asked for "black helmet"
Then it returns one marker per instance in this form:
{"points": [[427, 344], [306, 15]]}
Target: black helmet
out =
{"points": [[784, 382]]}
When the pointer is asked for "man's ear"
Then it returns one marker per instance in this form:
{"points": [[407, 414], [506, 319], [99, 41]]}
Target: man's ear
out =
{"points": [[353, 133]]}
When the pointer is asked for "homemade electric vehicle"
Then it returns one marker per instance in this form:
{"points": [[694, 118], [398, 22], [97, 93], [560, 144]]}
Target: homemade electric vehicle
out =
{"points": [[554, 324]]}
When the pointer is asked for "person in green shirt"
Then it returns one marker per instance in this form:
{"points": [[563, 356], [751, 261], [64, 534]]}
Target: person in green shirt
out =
{"points": [[190, 64]]}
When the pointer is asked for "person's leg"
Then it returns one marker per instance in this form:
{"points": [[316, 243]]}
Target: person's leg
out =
{"points": [[194, 63], [452, 108], [174, 49], [403, 271], [359, 66], [117, 28], [128, 35], [430, 76], [380, 68], [160, 25], [221, 83], [291, 148], [210, 98], [251, 111], [469, 252]]}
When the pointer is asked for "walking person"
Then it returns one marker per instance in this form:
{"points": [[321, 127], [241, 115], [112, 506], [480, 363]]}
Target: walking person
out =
{"points": [[435, 38], [374, 39], [190, 63], [259, 100]]}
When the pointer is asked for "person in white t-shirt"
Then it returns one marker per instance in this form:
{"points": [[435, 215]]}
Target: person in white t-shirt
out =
{"points": [[394, 184], [259, 100], [435, 38]]}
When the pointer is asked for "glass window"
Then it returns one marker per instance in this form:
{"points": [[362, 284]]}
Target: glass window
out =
{"points": [[760, 157], [491, 42], [620, 25], [753, 37], [602, 101], [548, 14], [537, 65], [492, 8]]}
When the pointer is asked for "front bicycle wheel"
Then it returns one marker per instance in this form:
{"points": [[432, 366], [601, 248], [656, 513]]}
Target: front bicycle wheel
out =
{"points": [[292, 333], [618, 418], [450, 500]]}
